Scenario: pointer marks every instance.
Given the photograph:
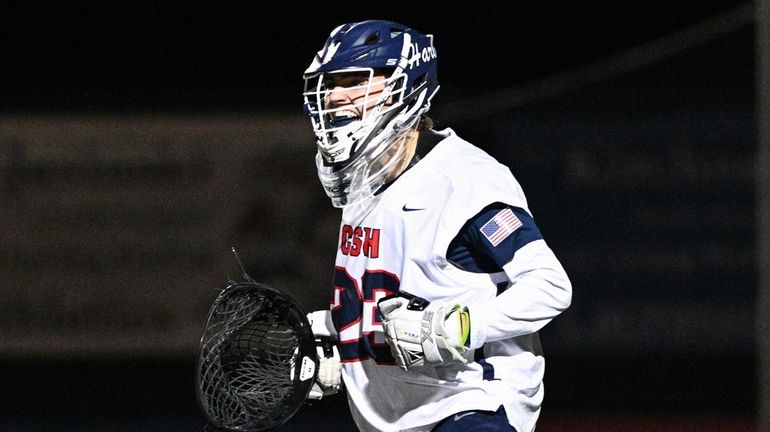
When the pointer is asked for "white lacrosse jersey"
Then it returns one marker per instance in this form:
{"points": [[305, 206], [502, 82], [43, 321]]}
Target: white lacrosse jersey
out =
{"points": [[400, 244]]}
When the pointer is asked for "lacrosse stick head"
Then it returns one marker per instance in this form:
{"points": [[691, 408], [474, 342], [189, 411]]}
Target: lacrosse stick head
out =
{"points": [[257, 359]]}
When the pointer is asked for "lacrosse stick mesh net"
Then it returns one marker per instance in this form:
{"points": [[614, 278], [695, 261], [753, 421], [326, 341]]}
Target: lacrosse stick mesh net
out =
{"points": [[249, 365]]}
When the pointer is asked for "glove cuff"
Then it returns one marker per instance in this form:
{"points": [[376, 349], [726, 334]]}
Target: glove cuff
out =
{"points": [[478, 318], [321, 323]]}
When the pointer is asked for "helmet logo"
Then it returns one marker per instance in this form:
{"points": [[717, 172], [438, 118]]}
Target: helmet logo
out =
{"points": [[415, 55], [330, 51]]}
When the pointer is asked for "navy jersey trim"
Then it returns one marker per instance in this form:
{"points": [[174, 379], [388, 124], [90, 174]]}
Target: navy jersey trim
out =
{"points": [[487, 370], [470, 250]]}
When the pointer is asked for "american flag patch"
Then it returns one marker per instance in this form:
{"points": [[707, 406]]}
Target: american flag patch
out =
{"points": [[503, 224]]}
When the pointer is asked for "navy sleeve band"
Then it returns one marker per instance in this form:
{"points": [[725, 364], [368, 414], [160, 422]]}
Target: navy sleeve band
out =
{"points": [[489, 240]]}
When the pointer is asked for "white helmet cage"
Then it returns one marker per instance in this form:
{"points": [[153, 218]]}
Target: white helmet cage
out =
{"points": [[338, 133]]}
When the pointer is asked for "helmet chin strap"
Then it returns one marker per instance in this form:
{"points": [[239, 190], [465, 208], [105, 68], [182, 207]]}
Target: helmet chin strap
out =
{"points": [[342, 121]]}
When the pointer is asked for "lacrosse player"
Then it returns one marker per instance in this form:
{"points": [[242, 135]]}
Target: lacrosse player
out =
{"points": [[442, 277]]}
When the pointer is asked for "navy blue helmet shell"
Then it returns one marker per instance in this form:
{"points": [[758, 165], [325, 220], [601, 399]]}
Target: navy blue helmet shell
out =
{"points": [[379, 44]]}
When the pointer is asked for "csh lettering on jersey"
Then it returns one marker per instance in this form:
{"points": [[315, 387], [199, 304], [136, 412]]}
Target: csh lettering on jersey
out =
{"points": [[355, 241]]}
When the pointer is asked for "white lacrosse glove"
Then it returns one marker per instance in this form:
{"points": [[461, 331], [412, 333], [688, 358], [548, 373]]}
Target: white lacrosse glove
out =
{"points": [[421, 333], [329, 377]]}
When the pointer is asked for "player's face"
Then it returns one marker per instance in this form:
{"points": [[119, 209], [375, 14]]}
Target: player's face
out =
{"points": [[353, 94]]}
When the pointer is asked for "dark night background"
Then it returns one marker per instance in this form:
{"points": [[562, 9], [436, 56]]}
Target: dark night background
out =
{"points": [[638, 180], [250, 55]]}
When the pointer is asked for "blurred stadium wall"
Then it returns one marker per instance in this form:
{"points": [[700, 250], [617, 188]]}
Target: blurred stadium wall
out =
{"points": [[762, 42], [118, 228]]}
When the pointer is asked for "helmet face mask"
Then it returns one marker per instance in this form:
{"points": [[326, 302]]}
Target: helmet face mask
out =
{"points": [[365, 89], [374, 96]]}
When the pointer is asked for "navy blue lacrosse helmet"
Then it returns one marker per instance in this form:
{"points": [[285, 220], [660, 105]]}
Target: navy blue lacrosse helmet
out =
{"points": [[398, 69]]}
